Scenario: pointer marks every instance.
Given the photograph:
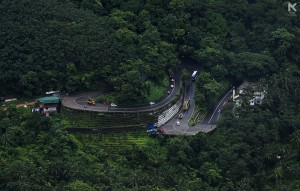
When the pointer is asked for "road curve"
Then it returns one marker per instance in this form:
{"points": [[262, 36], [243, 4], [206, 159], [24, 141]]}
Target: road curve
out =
{"points": [[79, 101], [206, 125], [160, 103]]}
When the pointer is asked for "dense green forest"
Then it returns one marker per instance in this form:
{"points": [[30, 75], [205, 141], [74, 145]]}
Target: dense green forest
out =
{"points": [[258, 151], [74, 45], [123, 46]]}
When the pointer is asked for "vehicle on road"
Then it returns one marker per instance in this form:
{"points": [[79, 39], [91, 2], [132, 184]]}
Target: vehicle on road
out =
{"points": [[180, 116], [155, 131], [172, 86], [177, 123], [152, 103], [91, 101], [151, 131], [195, 75], [113, 105], [186, 105]]}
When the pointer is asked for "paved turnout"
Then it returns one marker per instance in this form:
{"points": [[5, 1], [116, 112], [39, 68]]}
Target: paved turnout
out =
{"points": [[79, 101]]}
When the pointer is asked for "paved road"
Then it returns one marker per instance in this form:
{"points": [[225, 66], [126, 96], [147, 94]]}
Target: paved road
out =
{"points": [[78, 101], [160, 103], [214, 113], [206, 125]]}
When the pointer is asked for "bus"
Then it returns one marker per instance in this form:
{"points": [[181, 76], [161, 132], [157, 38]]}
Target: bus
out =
{"points": [[186, 105], [195, 75]]}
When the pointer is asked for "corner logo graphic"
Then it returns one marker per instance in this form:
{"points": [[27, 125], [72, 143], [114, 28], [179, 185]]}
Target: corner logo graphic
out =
{"points": [[292, 7]]}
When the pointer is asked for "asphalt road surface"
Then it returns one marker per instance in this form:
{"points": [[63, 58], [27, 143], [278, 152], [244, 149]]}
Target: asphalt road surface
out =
{"points": [[214, 113], [160, 103], [206, 125], [79, 101]]}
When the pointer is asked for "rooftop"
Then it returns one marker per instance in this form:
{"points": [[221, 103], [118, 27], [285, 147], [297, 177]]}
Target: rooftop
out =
{"points": [[49, 100]]}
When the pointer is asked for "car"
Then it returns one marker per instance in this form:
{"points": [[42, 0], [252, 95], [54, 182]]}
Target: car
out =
{"points": [[178, 123], [172, 86], [169, 92], [180, 116], [113, 105], [152, 131], [172, 80], [152, 103]]}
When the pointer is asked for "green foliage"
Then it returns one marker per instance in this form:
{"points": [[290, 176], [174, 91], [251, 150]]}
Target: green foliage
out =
{"points": [[282, 41], [78, 44], [251, 66], [111, 97], [79, 186], [185, 75], [155, 91], [38, 154], [208, 90]]}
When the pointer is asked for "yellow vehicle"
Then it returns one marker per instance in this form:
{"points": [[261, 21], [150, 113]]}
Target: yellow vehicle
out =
{"points": [[90, 101], [186, 105]]}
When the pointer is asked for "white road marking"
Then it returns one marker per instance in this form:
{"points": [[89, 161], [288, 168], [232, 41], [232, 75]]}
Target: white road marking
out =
{"points": [[74, 100], [218, 106]]}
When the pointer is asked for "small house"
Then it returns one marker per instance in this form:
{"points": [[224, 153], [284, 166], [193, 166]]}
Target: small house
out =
{"points": [[45, 105], [258, 93]]}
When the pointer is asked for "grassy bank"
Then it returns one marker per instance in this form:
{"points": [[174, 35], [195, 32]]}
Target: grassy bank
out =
{"points": [[154, 92], [115, 141], [202, 98], [157, 91]]}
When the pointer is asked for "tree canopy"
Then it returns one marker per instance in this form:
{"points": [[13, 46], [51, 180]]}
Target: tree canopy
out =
{"points": [[123, 46]]}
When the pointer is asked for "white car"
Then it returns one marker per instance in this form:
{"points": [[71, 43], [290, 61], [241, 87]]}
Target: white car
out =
{"points": [[172, 86], [113, 105], [152, 103], [178, 123], [172, 80]]}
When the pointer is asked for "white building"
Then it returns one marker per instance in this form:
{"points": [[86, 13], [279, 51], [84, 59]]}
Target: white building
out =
{"points": [[258, 93]]}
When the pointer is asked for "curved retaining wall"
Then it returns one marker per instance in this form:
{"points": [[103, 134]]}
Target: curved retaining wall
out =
{"points": [[169, 113], [86, 119]]}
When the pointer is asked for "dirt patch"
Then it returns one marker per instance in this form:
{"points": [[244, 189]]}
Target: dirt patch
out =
{"points": [[26, 103]]}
